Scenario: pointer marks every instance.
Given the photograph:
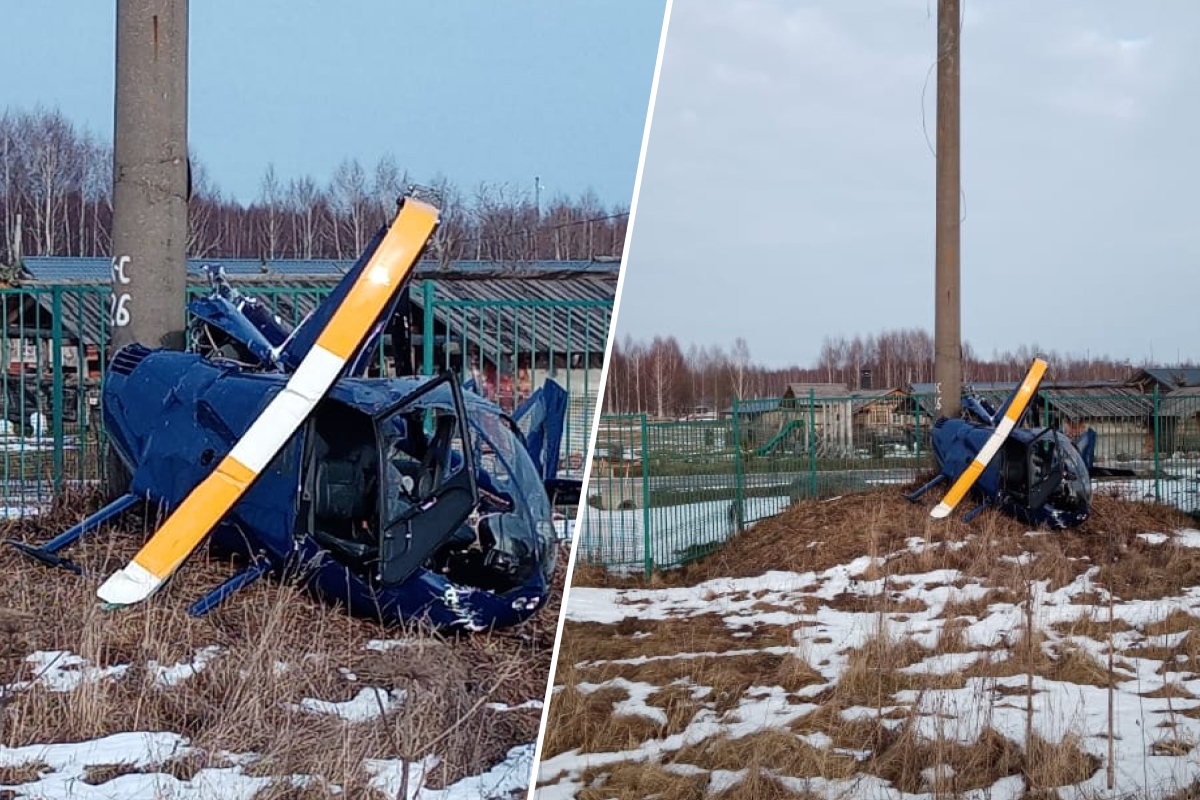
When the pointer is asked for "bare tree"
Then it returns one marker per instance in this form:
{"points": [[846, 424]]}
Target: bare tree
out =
{"points": [[270, 198], [739, 366], [306, 203], [350, 200]]}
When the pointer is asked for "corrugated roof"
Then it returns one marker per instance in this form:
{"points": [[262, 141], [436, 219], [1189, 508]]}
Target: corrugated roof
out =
{"points": [[73, 269], [507, 314], [803, 390], [1171, 377], [1073, 403], [1183, 402], [862, 398], [1079, 404], [754, 405]]}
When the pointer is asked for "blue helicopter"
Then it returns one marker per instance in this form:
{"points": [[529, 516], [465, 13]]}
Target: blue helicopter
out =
{"points": [[1036, 474], [396, 498]]}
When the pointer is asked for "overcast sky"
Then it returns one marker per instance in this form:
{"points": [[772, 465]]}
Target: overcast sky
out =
{"points": [[476, 91], [788, 190]]}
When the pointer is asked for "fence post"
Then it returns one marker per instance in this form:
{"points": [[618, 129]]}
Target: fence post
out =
{"points": [[1157, 448], [57, 379], [812, 442], [739, 480], [647, 555], [427, 291], [917, 430]]}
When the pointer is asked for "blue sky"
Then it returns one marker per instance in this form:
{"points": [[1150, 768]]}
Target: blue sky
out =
{"points": [[788, 191], [478, 91]]}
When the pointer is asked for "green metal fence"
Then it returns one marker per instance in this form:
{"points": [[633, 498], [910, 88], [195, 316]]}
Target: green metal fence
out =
{"points": [[54, 342], [662, 493]]}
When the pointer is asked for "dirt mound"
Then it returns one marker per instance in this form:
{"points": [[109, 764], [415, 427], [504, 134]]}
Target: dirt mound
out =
{"points": [[819, 534]]}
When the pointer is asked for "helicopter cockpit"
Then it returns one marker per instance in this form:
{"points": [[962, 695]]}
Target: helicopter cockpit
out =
{"points": [[436, 480]]}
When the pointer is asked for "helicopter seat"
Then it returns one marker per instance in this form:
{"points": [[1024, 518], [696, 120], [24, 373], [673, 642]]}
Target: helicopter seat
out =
{"points": [[344, 505]]}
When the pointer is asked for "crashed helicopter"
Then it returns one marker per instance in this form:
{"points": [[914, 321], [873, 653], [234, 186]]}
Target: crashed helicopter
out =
{"points": [[1036, 474], [397, 498]]}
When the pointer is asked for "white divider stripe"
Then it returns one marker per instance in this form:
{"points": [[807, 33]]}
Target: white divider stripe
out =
{"points": [[992, 445], [288, 409]]}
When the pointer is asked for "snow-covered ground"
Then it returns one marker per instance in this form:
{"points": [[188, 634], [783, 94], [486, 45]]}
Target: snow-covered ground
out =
{"points": [[140, 761], [63, 771], [827, 616]]}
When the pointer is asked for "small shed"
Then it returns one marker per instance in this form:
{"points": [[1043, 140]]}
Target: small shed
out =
{"points": [[1122, 418], [877, 417], [1165, 379], [1179, 420], [831, 414]]}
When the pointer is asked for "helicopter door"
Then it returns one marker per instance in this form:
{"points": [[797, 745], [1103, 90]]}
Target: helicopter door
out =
{"points": [[1033, 468], [441, 498]]}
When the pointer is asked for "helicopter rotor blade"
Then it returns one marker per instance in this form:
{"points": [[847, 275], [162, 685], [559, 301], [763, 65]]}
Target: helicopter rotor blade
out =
{"points": [[1015, 408], [194, 518]]}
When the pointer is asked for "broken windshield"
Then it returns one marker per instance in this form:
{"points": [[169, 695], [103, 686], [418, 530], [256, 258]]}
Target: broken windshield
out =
{"points": [[423, 446]]}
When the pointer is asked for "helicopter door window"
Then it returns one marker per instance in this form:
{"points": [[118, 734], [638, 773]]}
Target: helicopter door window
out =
{"points": [[418, 465], [429, 497]]}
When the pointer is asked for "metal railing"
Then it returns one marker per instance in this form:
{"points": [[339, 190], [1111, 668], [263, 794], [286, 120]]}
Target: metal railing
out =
{"points": [[55, 346], [663, 493]]}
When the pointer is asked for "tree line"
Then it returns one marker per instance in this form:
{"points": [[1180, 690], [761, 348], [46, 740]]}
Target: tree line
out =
{"points": [[56, 199], [661, 378]]}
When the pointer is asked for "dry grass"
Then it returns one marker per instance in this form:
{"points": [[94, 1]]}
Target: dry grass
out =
{"points": [[761, 785], [879, 524], [729, 676], [1061, 661], [633, 637], [1049, 764], [903, 758], [243, 700], [873, 673], [586, 721], [16, 775], [1092, 625], [634, 780], [785, 753], [879, 521]]}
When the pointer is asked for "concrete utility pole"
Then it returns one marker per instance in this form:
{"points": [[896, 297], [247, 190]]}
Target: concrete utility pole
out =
{"points": [[947, 331], [150, 174]]}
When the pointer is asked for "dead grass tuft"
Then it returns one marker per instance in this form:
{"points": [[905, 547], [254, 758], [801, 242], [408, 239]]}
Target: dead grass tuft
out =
{"points": [[287, 789], [784, 752], [627, 780], [633, 637], [908, 761], [585, 721], [1049, 764], [97, 774], [873, 673], [1093, 625], [1177, 621], [22, 773], [1060, 661], [729, 677], [759, 784]]}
